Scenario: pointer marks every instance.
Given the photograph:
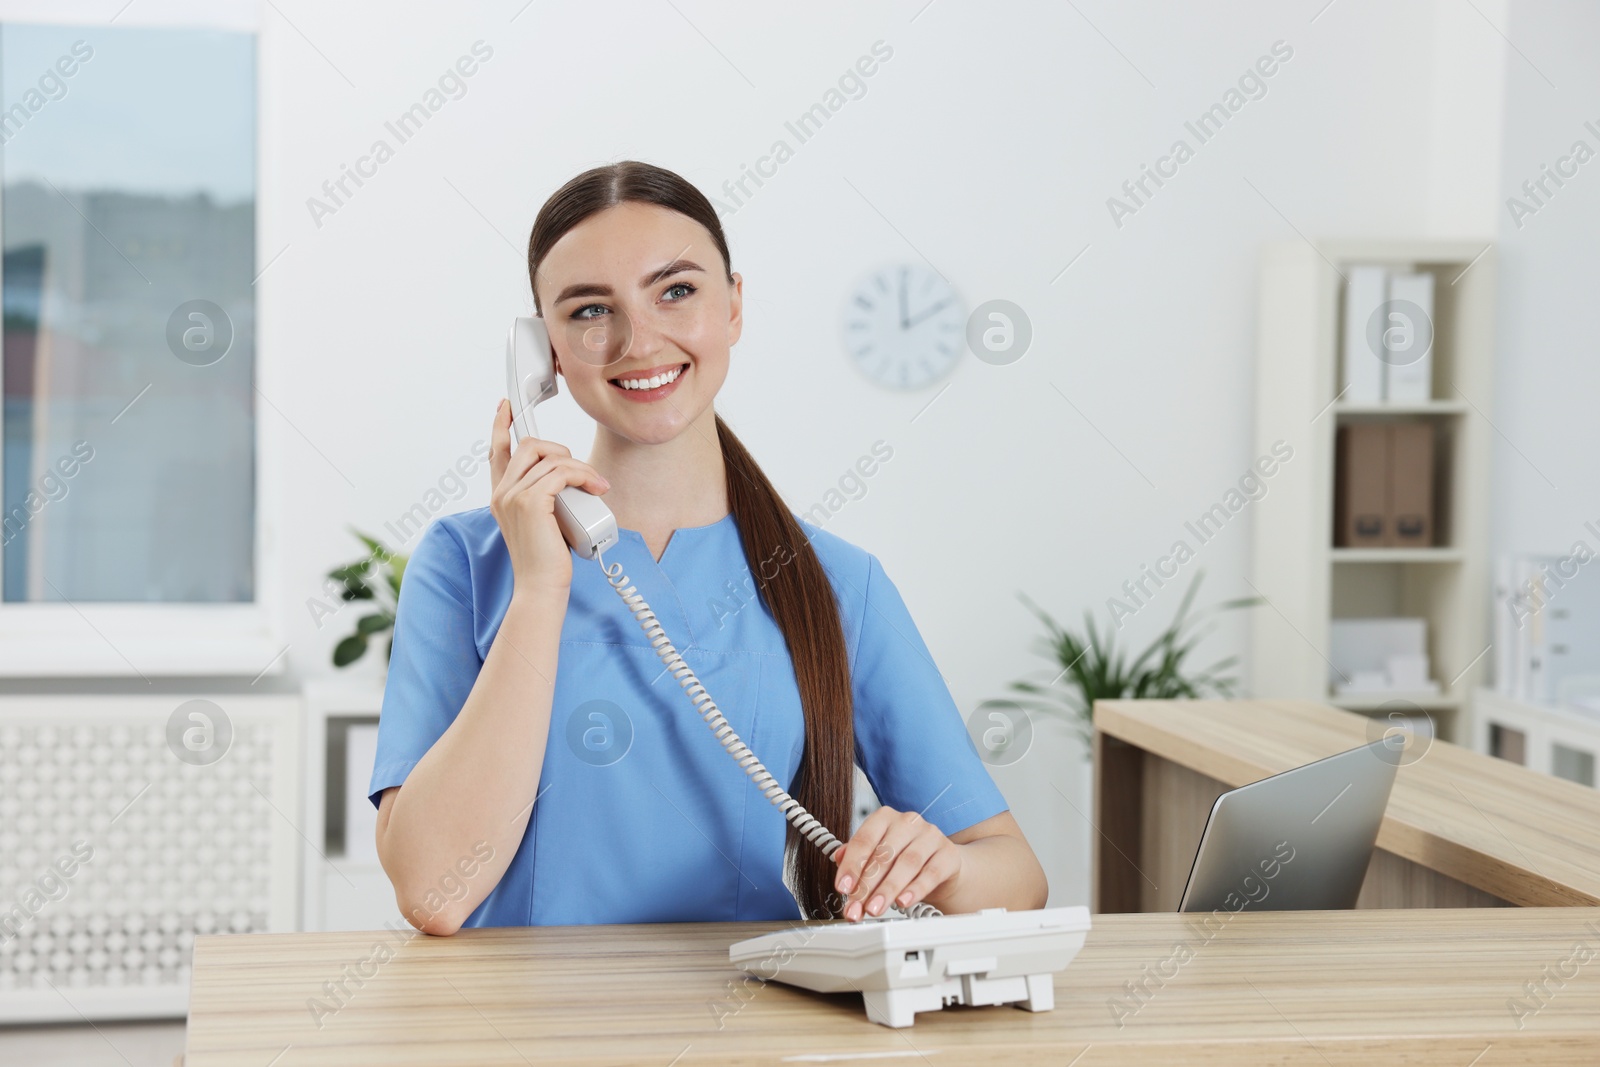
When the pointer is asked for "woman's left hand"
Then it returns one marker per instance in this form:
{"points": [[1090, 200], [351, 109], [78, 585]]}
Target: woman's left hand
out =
{"points": [[896, 856]]}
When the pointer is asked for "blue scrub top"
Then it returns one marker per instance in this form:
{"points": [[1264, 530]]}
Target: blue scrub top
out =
{"points": [[641, 814]]}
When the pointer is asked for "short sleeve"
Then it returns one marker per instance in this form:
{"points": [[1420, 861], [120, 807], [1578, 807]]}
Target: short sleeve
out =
{"points": [[433, 661], [910, 737]]}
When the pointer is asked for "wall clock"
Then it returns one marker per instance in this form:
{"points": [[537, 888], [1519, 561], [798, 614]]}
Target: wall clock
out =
{"points": [[904, 326]]}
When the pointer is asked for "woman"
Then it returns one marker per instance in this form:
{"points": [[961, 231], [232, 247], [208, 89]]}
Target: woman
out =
{"points": [[592, 791]]}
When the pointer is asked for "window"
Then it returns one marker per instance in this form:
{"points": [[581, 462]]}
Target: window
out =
{"points": [[128, 487]]}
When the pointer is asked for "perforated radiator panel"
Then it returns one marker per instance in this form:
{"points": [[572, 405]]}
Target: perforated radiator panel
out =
{"points": [[115, 852]]}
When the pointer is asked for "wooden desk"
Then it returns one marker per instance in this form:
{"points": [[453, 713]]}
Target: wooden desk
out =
{"points": [[1462, 829], [1319, 989]]}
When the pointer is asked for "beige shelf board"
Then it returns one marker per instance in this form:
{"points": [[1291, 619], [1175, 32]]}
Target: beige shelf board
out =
{"points": [[1438, 554], [1375, 701], [1431, 407]]}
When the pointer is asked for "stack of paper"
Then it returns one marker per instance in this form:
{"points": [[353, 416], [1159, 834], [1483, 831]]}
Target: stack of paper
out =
{"points": [[1379, 656]]}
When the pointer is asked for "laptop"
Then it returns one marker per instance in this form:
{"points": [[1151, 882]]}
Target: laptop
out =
{"points": [[1296, 841]]}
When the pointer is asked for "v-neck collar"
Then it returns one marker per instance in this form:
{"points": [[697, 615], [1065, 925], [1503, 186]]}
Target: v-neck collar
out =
{"points": [[691, 533]]}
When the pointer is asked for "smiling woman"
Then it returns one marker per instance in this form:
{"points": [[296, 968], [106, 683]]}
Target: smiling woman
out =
{"points": [[521, 707]]}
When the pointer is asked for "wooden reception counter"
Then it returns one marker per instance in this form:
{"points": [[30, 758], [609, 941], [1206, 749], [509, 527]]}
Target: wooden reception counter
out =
{"points": [[1443, 988], [1462, 829]]}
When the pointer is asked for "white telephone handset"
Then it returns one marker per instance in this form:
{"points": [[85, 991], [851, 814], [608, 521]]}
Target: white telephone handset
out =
{"points": [[900, 968], [585, 521]]}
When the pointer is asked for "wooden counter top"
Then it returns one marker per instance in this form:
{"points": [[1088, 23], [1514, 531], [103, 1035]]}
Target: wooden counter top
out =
{"points": [[1515, 834], [1447, 987]]}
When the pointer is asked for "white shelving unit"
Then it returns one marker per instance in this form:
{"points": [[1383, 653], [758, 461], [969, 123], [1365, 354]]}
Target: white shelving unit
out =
{"points": [[1306, 580], [338, 892]]}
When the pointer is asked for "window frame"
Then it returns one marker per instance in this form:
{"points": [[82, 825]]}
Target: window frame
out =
{"points": [[149, 640]]}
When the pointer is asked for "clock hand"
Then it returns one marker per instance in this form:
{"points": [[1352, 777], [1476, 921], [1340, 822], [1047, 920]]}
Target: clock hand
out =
{"points": [[904, 324]]}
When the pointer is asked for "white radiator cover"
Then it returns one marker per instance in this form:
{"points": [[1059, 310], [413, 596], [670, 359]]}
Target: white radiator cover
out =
{"points": [[114, 852]]}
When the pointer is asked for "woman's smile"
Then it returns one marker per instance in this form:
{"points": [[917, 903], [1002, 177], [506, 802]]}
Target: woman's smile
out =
{"points": [[651, 383]]}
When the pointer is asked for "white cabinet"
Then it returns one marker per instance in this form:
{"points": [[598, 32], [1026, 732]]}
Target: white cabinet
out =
{"points": [[344, 887], [1563, 741]]}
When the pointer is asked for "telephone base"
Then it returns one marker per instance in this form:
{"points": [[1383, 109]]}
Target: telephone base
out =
{"points": [[898, 1007], [905, 966]]}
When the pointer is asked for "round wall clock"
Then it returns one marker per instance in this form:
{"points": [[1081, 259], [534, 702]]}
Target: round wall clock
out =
{"points": [[904, 326]]}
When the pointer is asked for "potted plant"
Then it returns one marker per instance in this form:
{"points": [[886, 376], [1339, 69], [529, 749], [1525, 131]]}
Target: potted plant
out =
{"points": [[1095, 669], [383, 593]]}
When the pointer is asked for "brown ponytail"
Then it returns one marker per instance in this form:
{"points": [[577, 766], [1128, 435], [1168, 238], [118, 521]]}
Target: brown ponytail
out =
{"points": [[798, 594]]}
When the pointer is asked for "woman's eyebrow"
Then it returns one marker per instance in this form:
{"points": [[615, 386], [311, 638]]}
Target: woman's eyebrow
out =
{"points": [[677, 266]]}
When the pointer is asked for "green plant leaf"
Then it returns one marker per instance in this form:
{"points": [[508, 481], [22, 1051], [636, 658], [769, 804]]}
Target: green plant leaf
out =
{"points": [[368, 625], [349, 650]]}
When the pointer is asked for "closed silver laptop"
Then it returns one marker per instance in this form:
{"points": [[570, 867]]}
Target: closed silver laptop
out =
{"points": [[1296, 841]]}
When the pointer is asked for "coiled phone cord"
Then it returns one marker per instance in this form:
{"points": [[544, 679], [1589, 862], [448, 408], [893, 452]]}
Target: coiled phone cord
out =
{"points": [[806, 823]]}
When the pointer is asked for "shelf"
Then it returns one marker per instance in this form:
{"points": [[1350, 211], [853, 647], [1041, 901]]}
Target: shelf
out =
{"points": [[1430, 407], [1299, 346], [1376, 701], [1396, 555]]}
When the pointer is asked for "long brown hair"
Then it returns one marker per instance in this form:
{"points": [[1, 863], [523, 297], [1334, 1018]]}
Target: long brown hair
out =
{"points": [[799, 595]]}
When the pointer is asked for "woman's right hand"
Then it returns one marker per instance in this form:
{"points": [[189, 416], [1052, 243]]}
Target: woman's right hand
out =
{"points": [[522, 498]]}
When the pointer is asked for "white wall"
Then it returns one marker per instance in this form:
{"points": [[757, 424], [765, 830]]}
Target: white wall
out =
{"points": [[991, 141], [1547, 376]]}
